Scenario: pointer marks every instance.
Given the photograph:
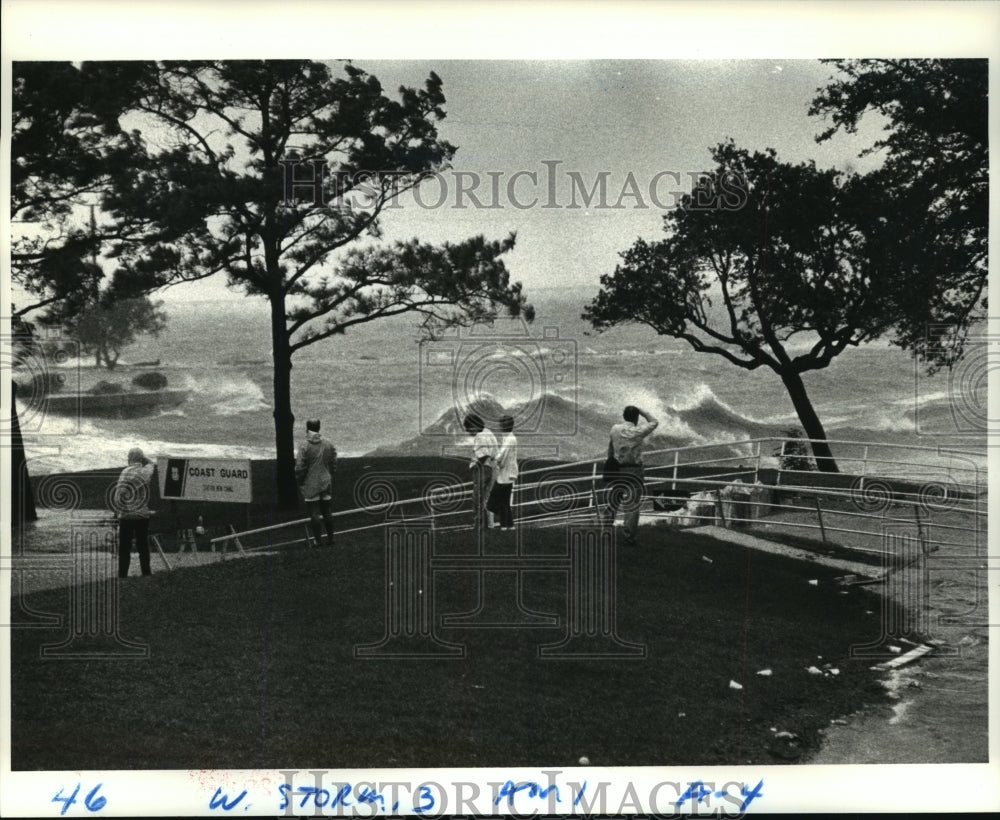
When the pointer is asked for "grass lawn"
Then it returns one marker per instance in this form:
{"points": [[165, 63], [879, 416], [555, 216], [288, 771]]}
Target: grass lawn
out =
{"points": [[252, 666]]}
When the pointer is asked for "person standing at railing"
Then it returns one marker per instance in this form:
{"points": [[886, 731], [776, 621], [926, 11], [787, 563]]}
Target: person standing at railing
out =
{"points": [[504, 475], [625, 491], [315, 464], [484, 451]]}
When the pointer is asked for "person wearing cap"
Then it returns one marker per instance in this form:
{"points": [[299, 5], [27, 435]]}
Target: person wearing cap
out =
{"points": [[132, 505], [315, 464]]}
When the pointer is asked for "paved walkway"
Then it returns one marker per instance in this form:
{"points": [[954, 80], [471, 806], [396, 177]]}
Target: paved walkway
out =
{"points": [[753, 542], [41, 557]]}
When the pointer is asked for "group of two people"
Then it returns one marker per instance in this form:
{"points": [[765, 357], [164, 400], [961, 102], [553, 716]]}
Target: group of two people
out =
{"points": [[315, 463], [494, 469]]}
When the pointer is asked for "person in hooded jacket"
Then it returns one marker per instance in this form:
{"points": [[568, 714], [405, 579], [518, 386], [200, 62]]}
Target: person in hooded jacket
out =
{"points": [[315, 464]]}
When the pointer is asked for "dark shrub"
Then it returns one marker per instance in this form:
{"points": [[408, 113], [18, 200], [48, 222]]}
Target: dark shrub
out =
{"points": [[48, 382], [793, 453], [102, 388], [150, 381]]}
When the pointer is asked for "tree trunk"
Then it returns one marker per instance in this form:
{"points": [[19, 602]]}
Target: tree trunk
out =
{"points": [[286, 489], [811, 424], [22, 502]]}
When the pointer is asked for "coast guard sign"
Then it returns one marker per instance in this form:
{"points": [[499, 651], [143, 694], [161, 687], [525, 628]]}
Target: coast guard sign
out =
{"points": [[205, 479]]}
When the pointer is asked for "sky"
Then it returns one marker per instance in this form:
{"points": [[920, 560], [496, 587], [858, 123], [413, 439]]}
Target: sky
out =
{"points": [[642, 124], [535, 137], [651, 121]]}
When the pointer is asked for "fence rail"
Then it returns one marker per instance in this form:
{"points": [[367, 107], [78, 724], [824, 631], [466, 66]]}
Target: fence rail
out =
{"points": [[711, 489]]}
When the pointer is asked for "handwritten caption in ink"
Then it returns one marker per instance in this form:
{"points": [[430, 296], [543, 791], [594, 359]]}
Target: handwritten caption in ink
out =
{"points": [[431, 798]]}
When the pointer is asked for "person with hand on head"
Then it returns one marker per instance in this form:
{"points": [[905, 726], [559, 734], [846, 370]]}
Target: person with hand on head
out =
{"points": [[627, 438], [131, 501], [484, 451], [315, 463]]}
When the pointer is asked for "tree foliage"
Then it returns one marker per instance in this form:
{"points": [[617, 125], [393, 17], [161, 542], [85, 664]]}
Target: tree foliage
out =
{"points": [[218, 186], [110, 324], [788, 281], [935, 189], [67, 145]]}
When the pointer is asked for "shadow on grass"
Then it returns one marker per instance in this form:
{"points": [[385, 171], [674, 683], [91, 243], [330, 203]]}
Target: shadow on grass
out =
{"points": [[252, 665]]}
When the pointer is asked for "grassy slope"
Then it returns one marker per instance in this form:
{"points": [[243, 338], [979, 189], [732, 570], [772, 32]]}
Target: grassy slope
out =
{"points": [[252, 666]]}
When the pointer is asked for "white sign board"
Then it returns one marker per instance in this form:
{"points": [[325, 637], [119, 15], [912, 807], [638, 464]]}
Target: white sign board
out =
{"points": [[205, 479]]}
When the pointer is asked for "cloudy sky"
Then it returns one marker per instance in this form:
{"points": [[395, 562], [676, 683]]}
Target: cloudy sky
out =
{"points": [[535, 138], [532, 131]]}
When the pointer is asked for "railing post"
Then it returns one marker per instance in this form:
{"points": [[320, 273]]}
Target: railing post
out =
{"points": [[864, 469], [819, 515], [159, 548], [718, 505], [673, 483], [236, 540], [756, 468], [920, 529]]}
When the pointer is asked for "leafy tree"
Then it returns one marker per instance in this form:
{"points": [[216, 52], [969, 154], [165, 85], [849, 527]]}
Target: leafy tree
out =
{"points": [[765, 264], [103, 328], [236, 131], [66, 146], [934, 185]]}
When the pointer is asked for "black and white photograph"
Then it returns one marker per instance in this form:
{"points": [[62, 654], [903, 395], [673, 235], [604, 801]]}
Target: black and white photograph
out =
{"points": [[538, 409]]}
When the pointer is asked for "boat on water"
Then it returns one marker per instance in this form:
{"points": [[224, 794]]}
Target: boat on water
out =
{"points": [[124, 404]]}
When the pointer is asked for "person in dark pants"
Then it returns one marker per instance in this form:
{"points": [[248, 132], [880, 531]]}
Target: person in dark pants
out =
{"points": [[506, 472], [484, 450], [132, 503], [315, 464], [626, 489]]}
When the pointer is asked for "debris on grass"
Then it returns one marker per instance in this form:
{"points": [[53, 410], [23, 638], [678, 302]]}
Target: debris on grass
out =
{"points": [[734, 685], [895, 649], [707, 560], [813, 582], [764, 672], [812, 670], [788, 735]]}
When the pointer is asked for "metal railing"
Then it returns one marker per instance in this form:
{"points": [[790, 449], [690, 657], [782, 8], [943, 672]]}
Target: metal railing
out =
{"points": [[883, 491]]}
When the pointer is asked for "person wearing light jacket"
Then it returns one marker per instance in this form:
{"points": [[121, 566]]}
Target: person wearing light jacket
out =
{"points": [[504, 475], [484, 450], [627, 439], [315, 464], [132, 505]]}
